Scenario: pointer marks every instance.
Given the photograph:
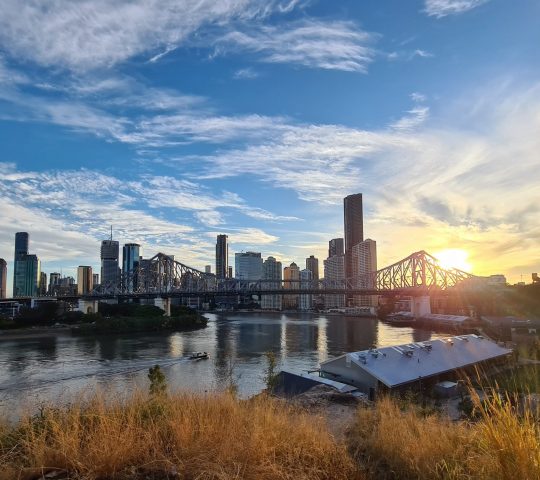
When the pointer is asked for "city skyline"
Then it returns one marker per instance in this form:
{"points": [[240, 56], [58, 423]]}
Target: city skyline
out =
{"points": [[162, 131]]}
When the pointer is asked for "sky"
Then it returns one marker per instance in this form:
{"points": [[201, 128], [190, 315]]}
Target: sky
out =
{"points": [[174, 121]]}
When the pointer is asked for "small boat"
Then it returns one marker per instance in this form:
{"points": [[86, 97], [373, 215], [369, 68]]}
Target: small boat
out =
{"points": [[198, 356], [401, 318]]}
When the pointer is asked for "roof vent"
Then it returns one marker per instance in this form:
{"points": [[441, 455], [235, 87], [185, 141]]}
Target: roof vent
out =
{"points": [[408, 353]]}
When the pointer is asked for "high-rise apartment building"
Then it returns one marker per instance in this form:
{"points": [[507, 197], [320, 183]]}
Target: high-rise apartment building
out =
{"points": [[208, 269], [335, 247], [26, 268], [54, 281], [334, 271], [312, 264], [95, 279], [248, 266], [110, 271], [42, 283], [291, 273], [84, 280], [222, 256], [354, 230], [21, 244], [272, 270], [364, 264], [3, 278], [230, 272], [306, 281], [354, 227], [131, 254]]}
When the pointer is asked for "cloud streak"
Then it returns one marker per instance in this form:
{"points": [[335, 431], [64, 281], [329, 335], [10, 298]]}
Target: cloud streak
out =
{"points": [[442, 8]]}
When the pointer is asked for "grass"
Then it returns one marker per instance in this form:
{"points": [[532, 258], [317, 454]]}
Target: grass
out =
{"points": [[397, 443], [183, 436], [217, 436]]}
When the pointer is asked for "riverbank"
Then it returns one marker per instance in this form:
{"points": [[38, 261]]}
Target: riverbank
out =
{"points": [[184, 436], [34, 333]]}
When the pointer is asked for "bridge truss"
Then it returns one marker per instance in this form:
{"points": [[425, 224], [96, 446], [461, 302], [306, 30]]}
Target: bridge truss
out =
{"points": [[163, 275]]}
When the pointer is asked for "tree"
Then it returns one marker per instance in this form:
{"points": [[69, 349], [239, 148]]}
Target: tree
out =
{"points": [[158, 382], [270, 373]]}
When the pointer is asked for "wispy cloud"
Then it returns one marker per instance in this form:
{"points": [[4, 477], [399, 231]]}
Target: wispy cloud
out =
{"points": [[245, 74], [442, 8], [337, 45], [100, 33]]}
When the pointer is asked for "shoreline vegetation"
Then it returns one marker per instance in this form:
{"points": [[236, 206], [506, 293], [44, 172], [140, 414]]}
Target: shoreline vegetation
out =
{"points": [[50, 318], [158, 435]]}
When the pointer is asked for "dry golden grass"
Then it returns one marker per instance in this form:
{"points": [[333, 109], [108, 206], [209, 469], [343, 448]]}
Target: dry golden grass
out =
{"points": [[396, 443], [183, 436]]}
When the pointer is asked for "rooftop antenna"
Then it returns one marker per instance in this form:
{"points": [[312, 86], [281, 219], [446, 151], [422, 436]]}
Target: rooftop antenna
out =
{"points": [[111, 233]]}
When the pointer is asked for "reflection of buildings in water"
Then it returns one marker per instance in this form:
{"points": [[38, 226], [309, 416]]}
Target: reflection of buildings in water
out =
{"points": [[350, 334], [22, 353], [225, 345], [322, 340], [256, 338], [107, 346], [176, 345], [302, 334], [421, 335], [283, 339]]}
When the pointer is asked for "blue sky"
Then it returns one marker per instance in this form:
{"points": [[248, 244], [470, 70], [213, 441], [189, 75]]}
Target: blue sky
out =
{"points": [[177, 120]]}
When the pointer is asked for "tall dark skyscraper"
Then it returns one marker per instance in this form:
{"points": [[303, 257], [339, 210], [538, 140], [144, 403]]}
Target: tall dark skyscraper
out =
{"points": [[110, 250], [21, 244], [3, 278], [222, 256], [354, 227], [335, 247]]}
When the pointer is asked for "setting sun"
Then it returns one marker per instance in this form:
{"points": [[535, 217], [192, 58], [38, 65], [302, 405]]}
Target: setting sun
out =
{"points": [[454, 258]]}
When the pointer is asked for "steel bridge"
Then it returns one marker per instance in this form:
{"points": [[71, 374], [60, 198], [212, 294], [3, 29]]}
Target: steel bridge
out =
{"points": [[162, 276]]}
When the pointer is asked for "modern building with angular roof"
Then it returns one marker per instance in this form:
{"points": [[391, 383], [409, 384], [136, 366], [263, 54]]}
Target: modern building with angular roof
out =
{"points": [[403, 366]]}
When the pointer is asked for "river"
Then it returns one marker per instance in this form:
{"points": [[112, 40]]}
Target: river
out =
{"points": [[58, 367]]}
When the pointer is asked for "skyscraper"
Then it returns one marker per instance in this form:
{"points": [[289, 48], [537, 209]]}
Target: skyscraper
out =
{"points": [[306, 299], [110, 272], [27, 276], [248, 266], [130, 263], [354, 227], [95, 279], [84, 280], [364, 262], [312, 264], [26, 268], [335, 247], [3, 278], [54, 281], [42, 283], [334, 273], [208, 269], [292, 272], [21, 244], [271, 271], [222, 256]]}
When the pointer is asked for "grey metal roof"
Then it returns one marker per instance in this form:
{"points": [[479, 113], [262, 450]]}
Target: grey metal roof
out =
{"points": [[407, 363]]}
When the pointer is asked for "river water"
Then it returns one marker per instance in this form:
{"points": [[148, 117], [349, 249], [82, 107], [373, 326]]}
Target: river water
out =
{"points": [[60, 366]]}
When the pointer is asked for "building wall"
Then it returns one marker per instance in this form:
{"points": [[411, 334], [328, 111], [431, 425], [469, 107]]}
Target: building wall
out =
{"points": [[364, 261], [334, 270], [350, 373], [3, 278], [84, 280], [336, 246], [272, 270], [248, 266], [222, 256], [131, 254], [306, 300], [312, 264], [292, 272], [27, 275], [110, 252]]}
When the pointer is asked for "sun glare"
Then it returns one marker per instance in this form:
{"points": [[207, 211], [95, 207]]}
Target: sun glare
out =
{"points": [[454, 258]]}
